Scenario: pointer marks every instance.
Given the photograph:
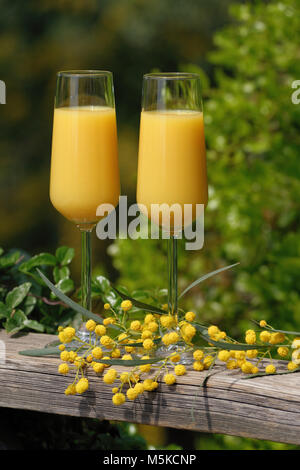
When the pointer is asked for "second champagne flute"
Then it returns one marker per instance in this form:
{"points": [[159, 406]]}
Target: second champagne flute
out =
{"points": [[84, 160], [172, 160]]}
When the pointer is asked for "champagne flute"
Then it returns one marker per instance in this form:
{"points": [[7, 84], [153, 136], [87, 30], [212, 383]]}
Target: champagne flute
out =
{"points": [[84, 159], [172, 159]]}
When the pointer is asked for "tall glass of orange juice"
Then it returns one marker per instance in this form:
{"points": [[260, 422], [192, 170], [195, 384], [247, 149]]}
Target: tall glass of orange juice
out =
{"points": [[172, 159], [84, 160]]}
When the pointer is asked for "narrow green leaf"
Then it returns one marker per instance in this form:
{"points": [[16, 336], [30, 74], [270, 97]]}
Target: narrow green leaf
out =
{"points": [[131, 362], [140, 344], [224, 344], [206, 276], [65, 286], [293, 333], [17, 295], [78, 308], [273, 330], [40, 352], [264, 374], [141, 305]]}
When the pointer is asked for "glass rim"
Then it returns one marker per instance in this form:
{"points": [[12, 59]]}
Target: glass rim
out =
{"points": [[83, 73], [172, 75]]}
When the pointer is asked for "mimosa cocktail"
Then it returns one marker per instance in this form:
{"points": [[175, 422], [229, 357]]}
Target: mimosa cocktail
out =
{"points": [[84, 163], [172, 161]]}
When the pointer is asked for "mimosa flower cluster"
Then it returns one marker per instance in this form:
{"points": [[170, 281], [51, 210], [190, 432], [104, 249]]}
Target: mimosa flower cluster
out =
{"points": [[158, 347]]}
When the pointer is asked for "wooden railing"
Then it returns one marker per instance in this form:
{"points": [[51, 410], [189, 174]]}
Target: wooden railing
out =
{"points": [[262, 407]]}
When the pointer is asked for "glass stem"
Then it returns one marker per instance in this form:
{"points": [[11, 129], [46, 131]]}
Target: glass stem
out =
{"points": [[172, 273], [86, 268]]}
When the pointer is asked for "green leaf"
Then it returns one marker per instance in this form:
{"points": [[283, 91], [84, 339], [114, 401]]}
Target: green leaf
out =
{"points": [[60, 273], [17, 295], [64, 255], [140, 294], [40, 352], [101, 287], [163, 293], [78, 308], [15, 322], [43, 259], [9, 259], [102, 283], [206, 276], [113, 299], [141, 305], [131, 362], [34, 325], [29, 304], [124, 291], [4, 311]]}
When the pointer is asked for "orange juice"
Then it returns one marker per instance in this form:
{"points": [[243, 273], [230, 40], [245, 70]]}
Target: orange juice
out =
{"points": [[172, 160], [84, 161]]}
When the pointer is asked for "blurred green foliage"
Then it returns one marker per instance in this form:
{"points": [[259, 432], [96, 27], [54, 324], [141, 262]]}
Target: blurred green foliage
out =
{"points": [[40, 37], [25, 301], [221, 442], [252, 135]]}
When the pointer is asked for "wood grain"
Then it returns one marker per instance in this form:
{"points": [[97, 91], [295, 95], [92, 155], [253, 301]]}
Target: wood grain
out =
{"points": [[262, 408]]}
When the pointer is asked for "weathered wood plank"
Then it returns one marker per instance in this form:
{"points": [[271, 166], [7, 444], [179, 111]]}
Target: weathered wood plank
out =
{"points": [[262, 408]]}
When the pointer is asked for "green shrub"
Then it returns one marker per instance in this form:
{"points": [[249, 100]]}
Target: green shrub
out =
{"points": [[252, 136], [25, 301]]}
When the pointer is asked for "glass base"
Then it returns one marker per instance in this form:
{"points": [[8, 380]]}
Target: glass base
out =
{"points": [[86, 336], [83, 335], [186, 357]]}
